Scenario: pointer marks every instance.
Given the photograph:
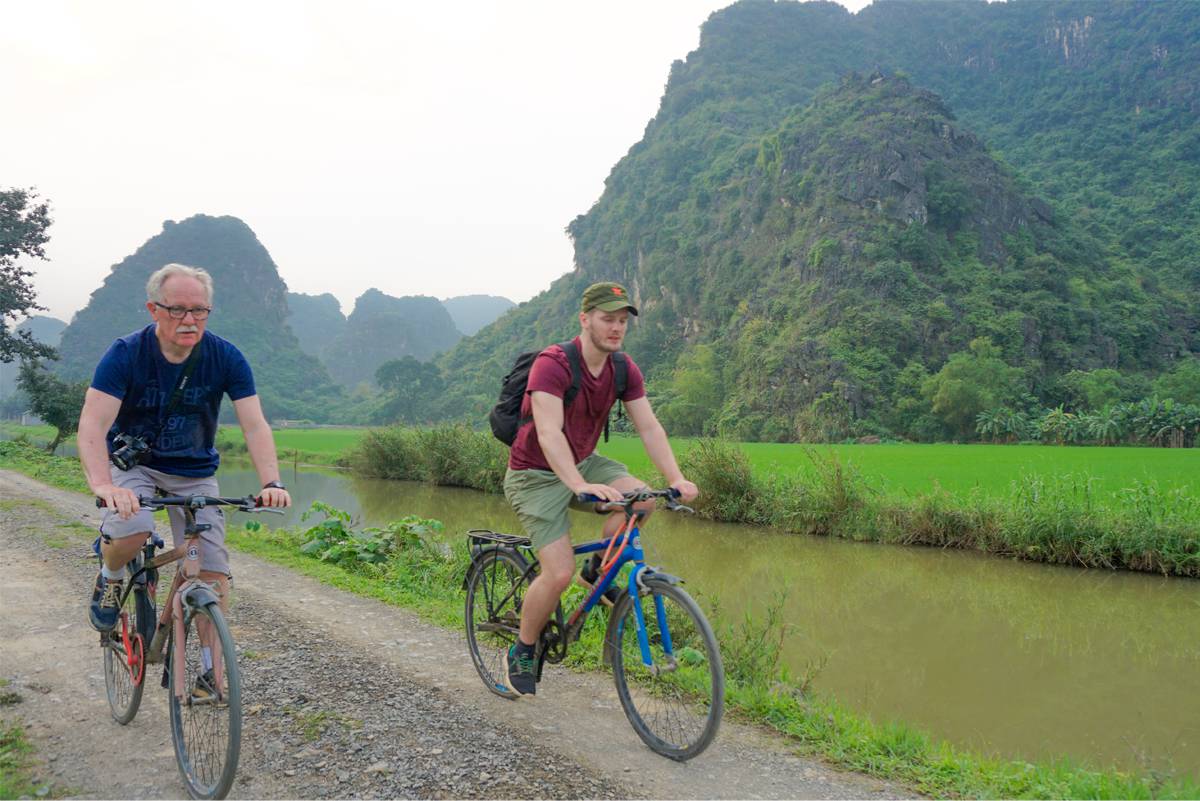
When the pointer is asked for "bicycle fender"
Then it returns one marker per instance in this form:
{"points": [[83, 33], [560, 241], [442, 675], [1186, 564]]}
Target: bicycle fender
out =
{"points": [[655, 577], [197, 597]]}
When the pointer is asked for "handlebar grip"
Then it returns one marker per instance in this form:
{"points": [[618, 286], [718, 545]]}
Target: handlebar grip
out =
{"points": [[587, 497], [674, 492], [101, 503]]}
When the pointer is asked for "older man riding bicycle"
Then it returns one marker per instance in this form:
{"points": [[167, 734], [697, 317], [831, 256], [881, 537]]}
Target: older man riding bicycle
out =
{"points": [[149, 422]]}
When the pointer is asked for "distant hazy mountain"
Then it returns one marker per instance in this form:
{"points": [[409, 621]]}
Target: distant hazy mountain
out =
{"points": [[316, 320], [473, 312], [382, 328], [249, 309], [47, 330]]}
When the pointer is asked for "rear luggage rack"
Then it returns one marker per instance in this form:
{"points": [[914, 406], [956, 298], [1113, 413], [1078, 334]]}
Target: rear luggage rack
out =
{"points": [[479, 536]]}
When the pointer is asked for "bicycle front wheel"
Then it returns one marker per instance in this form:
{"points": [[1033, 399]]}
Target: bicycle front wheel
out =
{"points": [[125, 668], [495, 591], [675, 703], [206, 723]]}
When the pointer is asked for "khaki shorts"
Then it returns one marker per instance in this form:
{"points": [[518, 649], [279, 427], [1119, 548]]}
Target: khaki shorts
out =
{"points": [[541, 500], [144, 481]]}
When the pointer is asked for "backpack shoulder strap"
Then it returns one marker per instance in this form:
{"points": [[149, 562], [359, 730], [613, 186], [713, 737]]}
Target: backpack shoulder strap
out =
{"points": [[620, 373], [576, 370]]}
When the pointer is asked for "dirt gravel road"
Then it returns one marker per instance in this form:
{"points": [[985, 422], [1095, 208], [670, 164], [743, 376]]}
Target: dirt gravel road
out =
{"points": [[344, 697]]}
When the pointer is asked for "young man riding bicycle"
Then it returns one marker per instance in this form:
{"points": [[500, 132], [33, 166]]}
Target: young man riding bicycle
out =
{"points": [[553, 458], [149, 421]]}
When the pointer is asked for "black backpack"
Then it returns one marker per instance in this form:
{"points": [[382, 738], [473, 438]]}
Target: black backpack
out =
{"points": [[505, 417]]}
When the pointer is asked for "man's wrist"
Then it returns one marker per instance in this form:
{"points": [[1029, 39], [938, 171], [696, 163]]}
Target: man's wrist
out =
{"points": [[274, 485]]}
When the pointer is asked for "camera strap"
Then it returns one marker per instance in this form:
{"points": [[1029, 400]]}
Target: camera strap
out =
{"points": [[180, 385]]}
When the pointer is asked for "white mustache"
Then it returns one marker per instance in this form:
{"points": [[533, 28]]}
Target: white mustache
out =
{"points": [[186, 329]]}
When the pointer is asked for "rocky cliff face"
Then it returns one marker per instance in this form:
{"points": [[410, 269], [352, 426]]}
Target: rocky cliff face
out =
{"points": [[249, 309], [316, 320], [382, 328]]}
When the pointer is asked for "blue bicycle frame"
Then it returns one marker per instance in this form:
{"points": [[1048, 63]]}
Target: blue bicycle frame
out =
{"points": [[631, 552]]}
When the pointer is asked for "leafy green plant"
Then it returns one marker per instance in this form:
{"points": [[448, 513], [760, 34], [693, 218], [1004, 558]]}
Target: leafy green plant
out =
{"points": [[336, 540]]}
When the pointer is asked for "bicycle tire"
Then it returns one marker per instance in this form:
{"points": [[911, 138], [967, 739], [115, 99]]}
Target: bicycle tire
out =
{"points": [[124, 696], [676, 713], [207, 736], [491, 621]]}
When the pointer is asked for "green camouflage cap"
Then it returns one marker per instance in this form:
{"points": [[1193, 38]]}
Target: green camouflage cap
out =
{"points": [[607, 296]]}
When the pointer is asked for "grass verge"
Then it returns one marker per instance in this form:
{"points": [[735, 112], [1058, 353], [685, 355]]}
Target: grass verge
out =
{"points": [[16, 776]]}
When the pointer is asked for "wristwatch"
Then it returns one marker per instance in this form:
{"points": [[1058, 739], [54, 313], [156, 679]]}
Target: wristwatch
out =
{"points": [[274, 485]]}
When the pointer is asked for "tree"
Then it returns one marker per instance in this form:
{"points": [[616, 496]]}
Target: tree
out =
{"points": [[1059, 425], [56, 401], [23, 224], [1182, 384], [971, 382], [695, 394], [410, 387], [1093, 389], [1108, 425]]}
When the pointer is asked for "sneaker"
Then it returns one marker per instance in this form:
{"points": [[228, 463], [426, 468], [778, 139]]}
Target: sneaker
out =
{"points": [[105, 609], [520, 672], [587, 578], [205, 688]]}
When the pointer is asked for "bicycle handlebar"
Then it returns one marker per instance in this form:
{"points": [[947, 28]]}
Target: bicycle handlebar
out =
{"points": [[250, 503], [670, 494]]}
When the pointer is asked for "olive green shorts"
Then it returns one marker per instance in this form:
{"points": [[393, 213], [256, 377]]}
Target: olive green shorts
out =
{"points": [[541, 500]]}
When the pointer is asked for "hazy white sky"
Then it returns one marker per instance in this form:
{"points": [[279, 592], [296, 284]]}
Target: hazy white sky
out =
{"points": [[420, 148]]}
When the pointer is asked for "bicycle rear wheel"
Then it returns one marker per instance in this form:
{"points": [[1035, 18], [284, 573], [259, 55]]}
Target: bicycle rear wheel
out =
{"points": [[495, 591], [206, 727], [125, 673], [676, 704]]}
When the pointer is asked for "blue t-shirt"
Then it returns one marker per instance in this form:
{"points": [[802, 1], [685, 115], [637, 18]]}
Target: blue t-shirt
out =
{"points": [[135, 370]]}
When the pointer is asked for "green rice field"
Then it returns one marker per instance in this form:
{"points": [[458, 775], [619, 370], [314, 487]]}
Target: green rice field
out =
{"points": [[900, 469], [906, 469]]}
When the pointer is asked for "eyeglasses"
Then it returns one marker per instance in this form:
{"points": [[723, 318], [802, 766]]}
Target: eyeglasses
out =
{"points": [[179, 312]]}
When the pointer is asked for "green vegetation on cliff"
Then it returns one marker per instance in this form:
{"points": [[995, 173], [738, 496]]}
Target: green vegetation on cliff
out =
{"points": [[814, 243]]}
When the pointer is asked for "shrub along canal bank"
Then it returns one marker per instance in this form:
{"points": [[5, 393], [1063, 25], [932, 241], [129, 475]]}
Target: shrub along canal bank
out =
{"points": [[1059, 520], [415, 570]]}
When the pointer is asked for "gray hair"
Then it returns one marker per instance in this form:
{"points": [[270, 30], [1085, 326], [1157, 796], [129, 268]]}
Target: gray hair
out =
{"points": [[155, 284]]}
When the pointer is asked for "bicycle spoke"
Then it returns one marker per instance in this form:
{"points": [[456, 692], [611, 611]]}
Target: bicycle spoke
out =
{"points": [[207, 726], [493, 614], [676, 705]]}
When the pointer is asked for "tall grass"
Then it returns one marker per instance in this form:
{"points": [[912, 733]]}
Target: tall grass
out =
{"points": [[450, 455]]}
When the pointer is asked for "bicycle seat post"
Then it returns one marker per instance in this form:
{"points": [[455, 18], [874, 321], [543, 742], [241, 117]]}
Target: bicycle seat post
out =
{"points": [[191, 533]]}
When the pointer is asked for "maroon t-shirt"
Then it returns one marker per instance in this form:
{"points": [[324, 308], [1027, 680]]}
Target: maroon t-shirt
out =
{"points": [[584, 417]]}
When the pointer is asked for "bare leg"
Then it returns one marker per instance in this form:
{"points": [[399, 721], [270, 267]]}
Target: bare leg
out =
{"points": [[208, 637], [118, 552], [558, 568]]}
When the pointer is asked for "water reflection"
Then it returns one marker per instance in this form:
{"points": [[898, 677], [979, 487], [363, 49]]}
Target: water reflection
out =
{"points": [[1010, 658]]}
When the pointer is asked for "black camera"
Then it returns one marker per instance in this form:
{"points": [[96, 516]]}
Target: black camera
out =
{"points": [[133, 451]]}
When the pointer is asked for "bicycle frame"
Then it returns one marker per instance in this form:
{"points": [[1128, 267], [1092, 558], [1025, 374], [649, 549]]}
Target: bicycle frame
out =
{"points": [[628, 550], [186, 593]]}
